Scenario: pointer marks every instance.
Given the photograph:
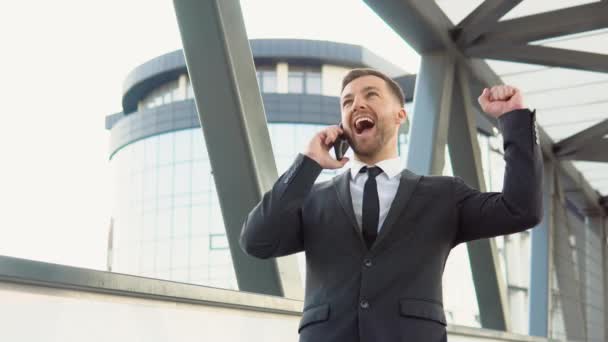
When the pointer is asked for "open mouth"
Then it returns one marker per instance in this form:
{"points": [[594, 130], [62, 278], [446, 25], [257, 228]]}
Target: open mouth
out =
{"points": [[364, 124]]}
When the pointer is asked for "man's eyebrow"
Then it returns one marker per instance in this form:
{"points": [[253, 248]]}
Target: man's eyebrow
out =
{"points": [[368, 88]]}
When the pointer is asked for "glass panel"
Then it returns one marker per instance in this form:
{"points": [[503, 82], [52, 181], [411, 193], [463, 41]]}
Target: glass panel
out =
{"points": [[180, 259], [296, 82], [163, 231], [201, 176], [183, 145], [163, 258], [313, 83], [182, 178], [199, 149], [166, 149], [165, 180], [269, 81], [181, 222]]}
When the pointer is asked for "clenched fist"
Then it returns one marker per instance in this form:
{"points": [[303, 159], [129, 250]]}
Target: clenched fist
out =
{"points": [[501, 99]]}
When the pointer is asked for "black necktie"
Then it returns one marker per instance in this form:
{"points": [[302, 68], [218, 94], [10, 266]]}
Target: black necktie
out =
{"points": [[371, 206]]}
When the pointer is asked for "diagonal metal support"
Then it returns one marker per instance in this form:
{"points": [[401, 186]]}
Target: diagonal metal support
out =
{"points": [[540, 259], [569, 147], [232, 117], [595, 152], [568, 279], [543, 55], [547, 25], [490, 286], [482, 19], [594, 278]]}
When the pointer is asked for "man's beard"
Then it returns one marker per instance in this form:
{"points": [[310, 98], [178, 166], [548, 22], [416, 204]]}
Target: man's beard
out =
{"points": [[372, 146]]}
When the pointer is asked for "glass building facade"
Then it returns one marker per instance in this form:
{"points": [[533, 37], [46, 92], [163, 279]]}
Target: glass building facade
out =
{"points": [[167, 218]]}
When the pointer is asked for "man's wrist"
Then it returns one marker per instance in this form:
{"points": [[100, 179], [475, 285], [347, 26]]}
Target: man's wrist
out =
{"points": [[312, 158]]}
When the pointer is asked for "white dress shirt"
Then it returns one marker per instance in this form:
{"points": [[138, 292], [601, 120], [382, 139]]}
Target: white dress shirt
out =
{"points": [[387, 182]]}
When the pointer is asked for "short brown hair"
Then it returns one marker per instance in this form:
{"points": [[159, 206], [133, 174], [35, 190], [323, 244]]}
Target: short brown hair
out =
{"points": [[393, 86]]}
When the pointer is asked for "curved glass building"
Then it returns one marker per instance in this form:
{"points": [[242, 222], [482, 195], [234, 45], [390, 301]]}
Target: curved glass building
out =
{"points": [[167, 221]]}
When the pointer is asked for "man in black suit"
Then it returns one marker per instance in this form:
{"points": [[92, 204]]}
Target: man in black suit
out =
{"points": [[377, 237]]}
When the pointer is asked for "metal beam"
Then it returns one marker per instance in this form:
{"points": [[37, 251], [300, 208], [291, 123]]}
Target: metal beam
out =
{"points": [[568, 280], [232, 117], [569, 147], [543, 55], [433, 97], [605, 261], [462, 135], [595, 152], [482, 19], [594, 278], [581, 193], [546, 25], [540, 256], [490, 286]]}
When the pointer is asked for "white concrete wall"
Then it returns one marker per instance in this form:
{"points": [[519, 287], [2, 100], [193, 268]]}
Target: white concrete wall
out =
{"points": [[282, 77], [52, 315], [331, 79], [33, 313]]}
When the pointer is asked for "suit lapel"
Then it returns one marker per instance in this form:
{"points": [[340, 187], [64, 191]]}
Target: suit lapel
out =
{"points": [[342, 186], [406, 188], [407, 185]]}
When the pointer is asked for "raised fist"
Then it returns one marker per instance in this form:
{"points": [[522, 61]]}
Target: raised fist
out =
{"points": [[500, 99]]}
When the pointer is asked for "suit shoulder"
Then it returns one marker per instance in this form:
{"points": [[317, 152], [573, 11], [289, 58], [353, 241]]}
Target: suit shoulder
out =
{"points": [[435, 184], [437, 179]]}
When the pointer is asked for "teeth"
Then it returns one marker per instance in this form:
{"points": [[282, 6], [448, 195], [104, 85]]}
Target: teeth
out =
{"points": [[363, 122], [359, 120]]}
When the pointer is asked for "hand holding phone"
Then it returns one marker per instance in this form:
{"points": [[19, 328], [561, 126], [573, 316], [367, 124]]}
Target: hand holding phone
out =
{"points": [[326, 139], [340, 145]]}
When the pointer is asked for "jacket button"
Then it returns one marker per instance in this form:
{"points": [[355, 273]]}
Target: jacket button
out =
{"points": [[364, 304], [368, 262]]}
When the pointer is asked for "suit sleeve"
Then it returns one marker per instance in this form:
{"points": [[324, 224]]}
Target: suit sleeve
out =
{"points": [[274, 227], [519, 205]]}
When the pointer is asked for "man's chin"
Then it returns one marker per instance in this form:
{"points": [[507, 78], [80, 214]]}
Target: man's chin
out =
{"points": [[366, 150]]}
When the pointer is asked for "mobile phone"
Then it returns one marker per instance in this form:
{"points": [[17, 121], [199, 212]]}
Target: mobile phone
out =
{"points": [[340, 145]]}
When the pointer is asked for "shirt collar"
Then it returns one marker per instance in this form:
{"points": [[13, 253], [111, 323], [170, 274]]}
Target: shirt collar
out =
{"points": [[391, 167]]}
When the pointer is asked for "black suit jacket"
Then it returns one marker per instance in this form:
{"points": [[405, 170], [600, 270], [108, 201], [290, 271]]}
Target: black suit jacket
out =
{"points": [[393, 291]]}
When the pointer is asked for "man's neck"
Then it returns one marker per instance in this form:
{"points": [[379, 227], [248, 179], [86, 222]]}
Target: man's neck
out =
{"points": [[375, 159]]}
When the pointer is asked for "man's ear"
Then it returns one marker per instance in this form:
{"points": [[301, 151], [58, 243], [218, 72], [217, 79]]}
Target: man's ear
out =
{"points": [[401, 115]]}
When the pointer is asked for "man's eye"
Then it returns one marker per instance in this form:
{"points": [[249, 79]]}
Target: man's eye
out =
{"points": [[371, 93], [345, 103]]}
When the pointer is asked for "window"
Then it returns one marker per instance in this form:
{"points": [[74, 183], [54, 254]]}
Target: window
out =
{"points": [[267, 79], [165, 94], [304, 80], [313, 83], [296, 82]]}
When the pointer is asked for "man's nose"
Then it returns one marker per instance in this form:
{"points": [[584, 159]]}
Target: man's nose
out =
{"points": [[358, 104]]}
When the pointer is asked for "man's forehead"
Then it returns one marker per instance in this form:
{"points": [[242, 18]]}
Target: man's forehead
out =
{"points": [[363, 83]]}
